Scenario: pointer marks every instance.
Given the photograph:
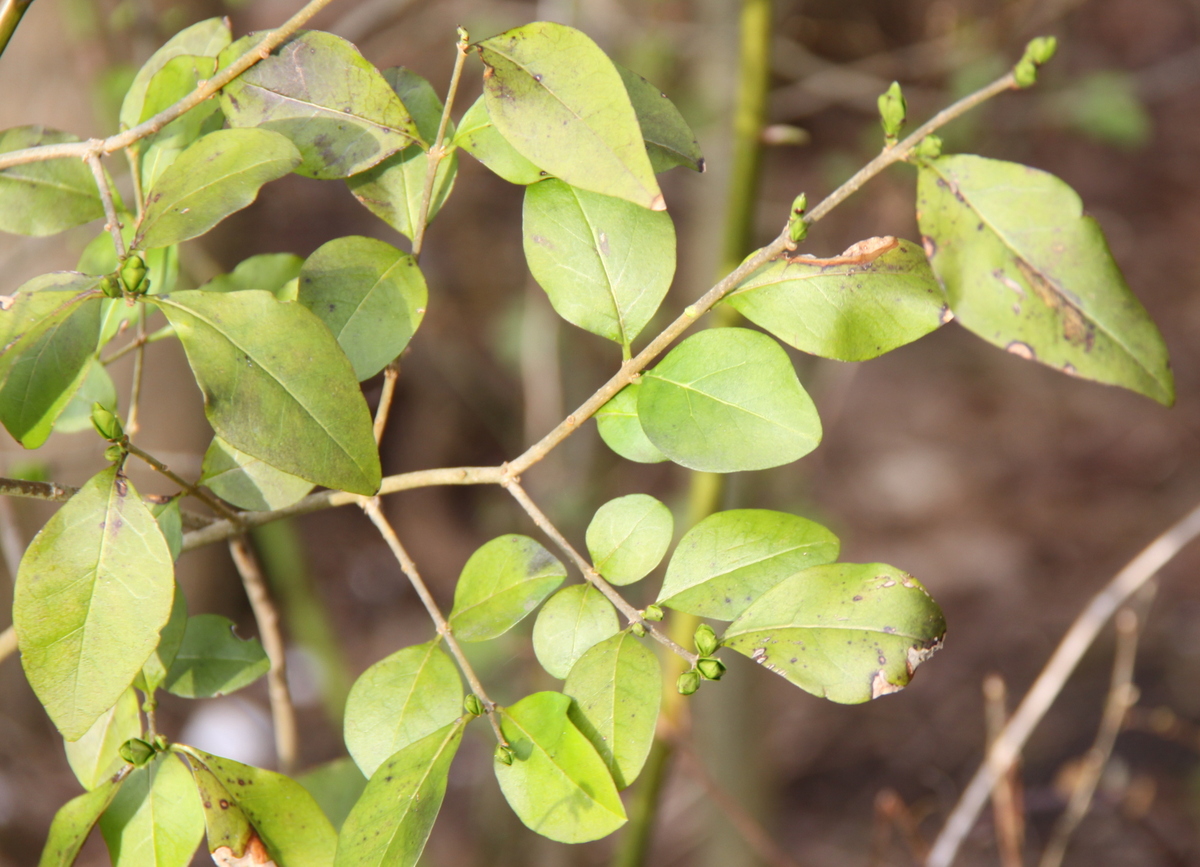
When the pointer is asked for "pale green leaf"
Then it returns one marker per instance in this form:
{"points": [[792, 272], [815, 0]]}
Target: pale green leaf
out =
{"points": [[731, 558], [669, 140], [317, 90], [571, 621], [621, 429], [93, 590], [1023, 269], [335, 786], [205, 38], [557, 784], [156, 819], [277, 273], [216, 176], [477, 135], [617, 686], [96, 387], [94, 757], [605, 263], [276, 385], [727, 399], [225, 824], [73, 822], [399, 700], [177, 78], [390, 823], [628, 537], [44, 198], [154, 672], [370, 295], [848, 632], [560, 102], [213, 661], [501, 584], [247, 482]]}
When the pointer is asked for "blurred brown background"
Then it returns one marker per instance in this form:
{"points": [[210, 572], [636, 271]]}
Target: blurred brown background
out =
{"points": [[1011, 491]]}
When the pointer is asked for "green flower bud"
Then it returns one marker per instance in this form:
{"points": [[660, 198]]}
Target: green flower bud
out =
{"points": [[653, 612], [892, 111], [107, 424], [797, 227], [504, 754], [114, 453], [1037, 52], [110, 287], [473, 705], [710, 668], [160, 743], [133, 272], [136, 751], [929, 148], [688, 682], [637, 629], [706, 640]]}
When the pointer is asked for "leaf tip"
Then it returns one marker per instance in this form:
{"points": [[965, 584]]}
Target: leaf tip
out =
{"points": [[658, 203]]}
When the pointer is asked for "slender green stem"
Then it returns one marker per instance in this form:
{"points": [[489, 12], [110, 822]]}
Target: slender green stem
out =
{"points": [[143, 340], [375, 513], [81, 150], [199, 493], [92, 158], [11, 13]]}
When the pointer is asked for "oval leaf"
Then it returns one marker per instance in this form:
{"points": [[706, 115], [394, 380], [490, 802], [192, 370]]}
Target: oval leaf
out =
{"points": [[478, 137], [669, 140], [390, 823], [617, 686], [156, 819], [370, 295], [557, 784], [276, 385], [621, 429], [178, 77], [628, 537], [574, 619], [877, 295], [95, 757], [248, 482], [154, 671], [501, 584], [731, 558], [317, 90], [848, 632], [277, 273], [48, 197], [1023, 269], [224, 822], [605, 263], [218, 175], [205, 38], [73, 822], [213, 661], [399, 700], [725, 400], [558, 99], [93, 590]]}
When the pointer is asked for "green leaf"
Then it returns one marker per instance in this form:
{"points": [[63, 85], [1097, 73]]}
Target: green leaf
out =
{"points": [[247, 482], [213, 661], [848, 632], [47, 197], [93, 590], [727, 399], [574, 619], [557, 785], [390, 823], [48, 330], [617, 686], [178, 77], [621, 429], [154, 672], [731, 558], [286, 817], [504, 580], [605, 263], [393, 189], [335, 786], [555, 96], [317, 90], [277, 273], [1023, 269], [370, 295], [73, 822], [206, 38], [156, 819], [669, 140], [876, 296], [225, 824], [170, 522], [96, 387], [276, 386], [399, 700], [628, 537], [94, 757], [478, 137], [216, 176]]}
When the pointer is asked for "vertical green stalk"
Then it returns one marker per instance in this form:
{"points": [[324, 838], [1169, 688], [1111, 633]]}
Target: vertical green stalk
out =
{"points": [[706, 489]]}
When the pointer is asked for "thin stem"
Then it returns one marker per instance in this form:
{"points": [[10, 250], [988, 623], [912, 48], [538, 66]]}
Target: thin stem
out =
{"points": [[8, 643], [391, 373], [593, 577], [1121, 696], [409, 568], [1054, 675], [1010, 830], [81, 150], [437, 151], [139, 358], [141, 340], [92, 158], [267, 617], [50, 491], [199, 493]]}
